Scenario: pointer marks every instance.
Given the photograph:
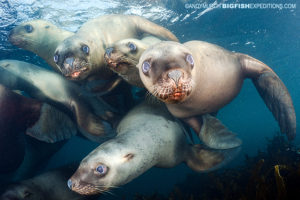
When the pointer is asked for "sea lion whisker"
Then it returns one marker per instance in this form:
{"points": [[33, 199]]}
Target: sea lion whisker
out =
{"points": [[113, 186], [27, 40], [109, 192]]}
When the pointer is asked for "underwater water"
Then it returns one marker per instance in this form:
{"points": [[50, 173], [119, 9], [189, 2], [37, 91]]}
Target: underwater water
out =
{"points": [[271, 35]]}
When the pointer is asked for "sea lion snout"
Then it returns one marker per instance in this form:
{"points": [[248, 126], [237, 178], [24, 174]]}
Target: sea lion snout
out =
{"points": [[174, 86], [82, 188], [114, 59], [74, 184], [175, 75], [69, 183], [108, 57], [108, 51], [73, 67], [15, 39]]}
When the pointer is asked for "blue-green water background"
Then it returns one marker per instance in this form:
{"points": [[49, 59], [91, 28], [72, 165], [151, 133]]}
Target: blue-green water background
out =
{"points": [[270, 35]]}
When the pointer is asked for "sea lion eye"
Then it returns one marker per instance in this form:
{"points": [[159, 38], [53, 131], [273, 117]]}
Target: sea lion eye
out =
{"points": [[28, 28], [132, 46], [101, 169], [85, 49], [146, 67], [55, 58], [190, 59]]}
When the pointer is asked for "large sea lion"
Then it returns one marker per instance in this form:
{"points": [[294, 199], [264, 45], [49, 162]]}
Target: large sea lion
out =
{"points": [[16, 114], [123, 56], [37, 155], [147, 136], [197, 77], [80, 56], [20, 114], [40, 37], [47, 186], [52, 88]]}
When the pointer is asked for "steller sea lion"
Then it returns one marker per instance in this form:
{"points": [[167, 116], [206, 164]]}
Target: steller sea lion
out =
{"points": [[20, 114], [50, 185], [147, 136], [40, 37], [123, 56], [16, 114], [52, 88], [80, 57], [196, 78]]}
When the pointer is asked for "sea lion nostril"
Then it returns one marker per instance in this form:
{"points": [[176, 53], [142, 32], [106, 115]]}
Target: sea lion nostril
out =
{"points": [[70, 184], [69, 61], [108, 51], [175, 75]]}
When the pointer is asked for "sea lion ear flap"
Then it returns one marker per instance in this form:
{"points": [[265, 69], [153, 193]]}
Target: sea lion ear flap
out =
{"points": [[273, 92], [128, 157], [202, 159]]}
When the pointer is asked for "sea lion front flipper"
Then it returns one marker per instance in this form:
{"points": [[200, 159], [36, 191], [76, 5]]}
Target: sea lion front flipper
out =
{"points": [[273, 92], [213, 133], [108, 87], [52, 126], [145, 26], [202, 159]]}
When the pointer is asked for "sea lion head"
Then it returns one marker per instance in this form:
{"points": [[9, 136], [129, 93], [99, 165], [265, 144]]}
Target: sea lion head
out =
{"points": [[105, 168], [28, 34], [165, 70], [73, 58], [123, 57], [22, 191]]}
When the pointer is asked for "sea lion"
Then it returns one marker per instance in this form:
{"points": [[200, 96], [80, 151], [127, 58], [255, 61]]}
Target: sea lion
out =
{"points": [[50, 185], [52, 88], [123, 56], [39, 120], [16, 114], [147, 136], [20, 114], [197, 77], [80, 57], [52, 126], [40, 37], [37, 155]]}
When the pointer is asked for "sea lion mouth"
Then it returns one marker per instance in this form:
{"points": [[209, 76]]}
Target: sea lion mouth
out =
{"points": [[118, 63], [172, 93], [16, 40], [73, 68], [89, 189]]}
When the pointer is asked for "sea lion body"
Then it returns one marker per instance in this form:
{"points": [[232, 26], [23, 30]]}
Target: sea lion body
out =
{"points": [[20, 114], [81, 56], [47, 186], [197, 78], [123, 56], [40, 37], [52, 88], [147, 136], [225, 79], [17, 113]]}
